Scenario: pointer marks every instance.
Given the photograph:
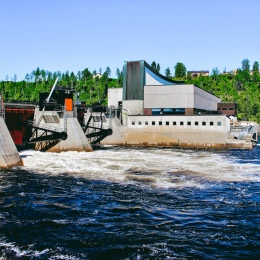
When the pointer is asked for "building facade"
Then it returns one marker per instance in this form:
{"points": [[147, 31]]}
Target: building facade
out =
{"points": [[154, 110]]}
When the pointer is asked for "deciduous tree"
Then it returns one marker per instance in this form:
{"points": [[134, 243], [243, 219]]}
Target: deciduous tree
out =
{"points": [[180, 70], [215, 72]]}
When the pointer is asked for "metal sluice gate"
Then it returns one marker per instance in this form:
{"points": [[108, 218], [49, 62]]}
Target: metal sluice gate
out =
{"points": [[45, 135], [95, 129], [96, 134]]}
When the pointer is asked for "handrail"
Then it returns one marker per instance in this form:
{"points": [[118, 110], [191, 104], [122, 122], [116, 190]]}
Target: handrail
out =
{"points": [[45, 127]]}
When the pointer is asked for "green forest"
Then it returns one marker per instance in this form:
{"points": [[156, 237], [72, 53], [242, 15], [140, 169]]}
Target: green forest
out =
{"points": [[242, 87]]}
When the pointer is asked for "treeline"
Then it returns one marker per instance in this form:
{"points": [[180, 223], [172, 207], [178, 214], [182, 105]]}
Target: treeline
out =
{"points": [[91, 86], [241, 86]]}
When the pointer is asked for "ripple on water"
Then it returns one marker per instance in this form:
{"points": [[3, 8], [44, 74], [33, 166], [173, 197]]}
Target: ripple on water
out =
{"points": [[131, 204]]}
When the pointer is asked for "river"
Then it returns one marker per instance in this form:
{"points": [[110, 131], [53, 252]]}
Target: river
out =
{"points": [[132, 203]]}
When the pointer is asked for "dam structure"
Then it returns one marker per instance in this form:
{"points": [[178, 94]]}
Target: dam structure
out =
{"points": [[51, 125], [153, 110], [65, 132], [55, 124], [9, 156]]}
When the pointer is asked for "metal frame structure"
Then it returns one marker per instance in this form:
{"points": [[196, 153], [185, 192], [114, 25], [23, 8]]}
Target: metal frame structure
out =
{"points": [[45, 136]]}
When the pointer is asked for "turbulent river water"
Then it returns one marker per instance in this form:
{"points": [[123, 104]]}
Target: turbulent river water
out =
{"points": [[132, 203]]}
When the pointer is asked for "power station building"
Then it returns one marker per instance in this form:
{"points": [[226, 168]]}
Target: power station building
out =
{"points": [[156, 111]]}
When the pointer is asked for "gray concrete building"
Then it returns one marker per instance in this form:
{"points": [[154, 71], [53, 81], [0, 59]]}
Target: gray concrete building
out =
{"points": [[154, 110]]}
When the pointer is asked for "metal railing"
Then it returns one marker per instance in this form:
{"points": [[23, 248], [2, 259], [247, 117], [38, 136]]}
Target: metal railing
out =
{"points": [[241, 132], [45, 127]]}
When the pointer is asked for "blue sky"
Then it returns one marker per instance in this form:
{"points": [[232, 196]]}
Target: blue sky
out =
{"points": [[61, 35]]}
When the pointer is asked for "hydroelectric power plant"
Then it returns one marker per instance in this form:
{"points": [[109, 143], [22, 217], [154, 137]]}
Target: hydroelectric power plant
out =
{"points": [[151, 191], [149, 110]]}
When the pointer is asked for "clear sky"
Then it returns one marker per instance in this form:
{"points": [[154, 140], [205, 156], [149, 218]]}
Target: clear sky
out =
{"points": [[61, 35]]}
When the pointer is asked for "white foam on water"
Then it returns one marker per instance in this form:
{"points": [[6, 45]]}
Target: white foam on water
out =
{"points": [[12, 247], [163, 168]]}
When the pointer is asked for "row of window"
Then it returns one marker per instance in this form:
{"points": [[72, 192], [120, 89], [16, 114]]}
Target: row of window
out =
{"points": [[196, 123], [224, 108]]}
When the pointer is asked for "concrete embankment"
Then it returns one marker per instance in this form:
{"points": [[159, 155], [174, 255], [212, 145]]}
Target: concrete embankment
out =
{"points": [[9, 155]]}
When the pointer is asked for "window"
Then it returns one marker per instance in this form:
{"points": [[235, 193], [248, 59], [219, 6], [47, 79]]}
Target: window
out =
{"points": [[181, 123], [139, 122], [167, 122], [203, 123], [153, 122], [174, 122], [211, 123], [196, 123], [160, 122], [188, 123], [133, 122], [146, 122], [219, 123], [156, 111], [168, 111]]}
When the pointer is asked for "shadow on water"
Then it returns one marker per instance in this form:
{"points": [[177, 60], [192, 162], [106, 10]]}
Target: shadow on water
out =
{"points": [[67, 217]]}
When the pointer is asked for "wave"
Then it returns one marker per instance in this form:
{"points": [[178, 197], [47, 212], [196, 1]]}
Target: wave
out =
{"points": [[162, 168]]}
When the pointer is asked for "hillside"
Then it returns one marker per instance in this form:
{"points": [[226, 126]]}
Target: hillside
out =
{"points": [[242, 88]]}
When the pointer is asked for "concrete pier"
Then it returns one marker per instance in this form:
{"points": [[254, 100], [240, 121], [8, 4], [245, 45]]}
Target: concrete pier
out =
{"points": [[76, 140], [9, 155]]}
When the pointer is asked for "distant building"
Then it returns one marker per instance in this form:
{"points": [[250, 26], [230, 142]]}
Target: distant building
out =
{"points": [[251, 72], [197, 73], [225, 73], [97, 75], [234, 72]]}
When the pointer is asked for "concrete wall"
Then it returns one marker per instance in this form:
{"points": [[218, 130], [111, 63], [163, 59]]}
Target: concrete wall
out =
{"points": [[171, 96], [210, 131], [179, 96], [9, 155], [114, 95], [204, 100], [182, 123], [117, 137], [133, 107], [76, 141]]}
